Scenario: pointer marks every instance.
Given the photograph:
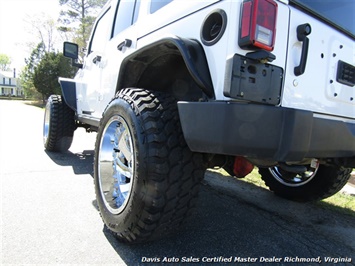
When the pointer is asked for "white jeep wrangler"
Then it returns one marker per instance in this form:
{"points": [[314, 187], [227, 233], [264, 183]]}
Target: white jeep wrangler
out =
{"points": [[174, 87]]}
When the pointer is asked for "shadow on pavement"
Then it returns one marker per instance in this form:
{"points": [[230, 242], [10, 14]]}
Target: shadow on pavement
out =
{"points": [[255, 224], [236, 220], [82, 163], [35, 103]]}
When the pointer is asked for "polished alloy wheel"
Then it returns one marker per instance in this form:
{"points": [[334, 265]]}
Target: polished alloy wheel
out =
{"points": [[295, 179], [46, 122], [116, 163]]}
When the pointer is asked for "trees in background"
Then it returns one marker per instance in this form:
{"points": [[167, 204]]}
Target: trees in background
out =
{"points": [[42, 70], [46, 73], [27, 73], [45, 64], [45, 29], [78, 18], [5, 62]]}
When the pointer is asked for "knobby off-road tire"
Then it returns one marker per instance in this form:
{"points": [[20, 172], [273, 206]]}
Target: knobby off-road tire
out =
{"points": [[146, 178], [316, 184], [58, 126]]}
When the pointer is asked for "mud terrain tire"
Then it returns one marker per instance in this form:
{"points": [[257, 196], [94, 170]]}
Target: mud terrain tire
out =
{"points": [[58, 126], [146, 178], [327, 181]]}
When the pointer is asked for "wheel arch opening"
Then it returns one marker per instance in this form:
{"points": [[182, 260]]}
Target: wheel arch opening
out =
{"points": [[174, 65]]}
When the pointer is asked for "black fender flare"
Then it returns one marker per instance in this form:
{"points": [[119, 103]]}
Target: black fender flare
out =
{"points": [[68, 87], [190, 50]]}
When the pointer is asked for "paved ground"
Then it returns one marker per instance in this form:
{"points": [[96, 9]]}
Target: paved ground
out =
{"points": [[49, 214]]}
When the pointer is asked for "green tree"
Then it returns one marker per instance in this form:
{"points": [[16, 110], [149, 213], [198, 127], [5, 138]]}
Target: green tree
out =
{"points": [[78, 18], [5, 62], [46, 73], [36, 56], [27, 84], [26, 77]]}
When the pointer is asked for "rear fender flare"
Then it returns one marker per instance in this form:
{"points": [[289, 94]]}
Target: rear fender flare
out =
{"points": [[191, 51]]}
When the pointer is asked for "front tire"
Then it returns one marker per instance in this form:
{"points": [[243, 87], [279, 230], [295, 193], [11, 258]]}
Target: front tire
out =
{"points": [[146, 178], [58, 125], [317, 183]]}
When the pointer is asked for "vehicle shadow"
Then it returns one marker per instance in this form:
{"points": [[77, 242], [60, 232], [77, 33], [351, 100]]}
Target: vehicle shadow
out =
{"points": [[37, 103], [81, 162], [228, 224], [235, 220]]}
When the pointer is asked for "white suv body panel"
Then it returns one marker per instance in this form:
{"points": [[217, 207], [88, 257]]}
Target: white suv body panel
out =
{"points": [[216, 56], [317, 89], [292, 126], [96, 82], [89, 78], [160, 24]]}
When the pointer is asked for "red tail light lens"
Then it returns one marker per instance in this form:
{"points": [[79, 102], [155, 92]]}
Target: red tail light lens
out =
{"points": [[258, 24]]}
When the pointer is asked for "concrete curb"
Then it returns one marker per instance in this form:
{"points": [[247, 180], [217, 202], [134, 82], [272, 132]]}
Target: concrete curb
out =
{"points": [[349, 188], [352, 178]]}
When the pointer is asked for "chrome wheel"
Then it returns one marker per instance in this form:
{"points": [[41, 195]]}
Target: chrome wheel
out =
{"points": [[46, 122], [292, 179], [115, 164]]}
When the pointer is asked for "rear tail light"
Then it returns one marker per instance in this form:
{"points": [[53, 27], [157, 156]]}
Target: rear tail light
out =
{"points": [[258, 24]]}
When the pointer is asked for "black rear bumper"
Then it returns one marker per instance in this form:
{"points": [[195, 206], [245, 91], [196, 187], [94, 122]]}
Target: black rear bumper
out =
{"points": [[264, 132]]}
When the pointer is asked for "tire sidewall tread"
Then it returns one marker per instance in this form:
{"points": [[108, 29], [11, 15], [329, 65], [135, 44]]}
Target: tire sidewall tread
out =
{"points": [[61, 125], [163, 188]]}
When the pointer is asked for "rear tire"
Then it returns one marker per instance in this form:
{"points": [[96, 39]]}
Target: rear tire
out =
{"points": [[58, 125], [146, 178], [316, 184]]}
